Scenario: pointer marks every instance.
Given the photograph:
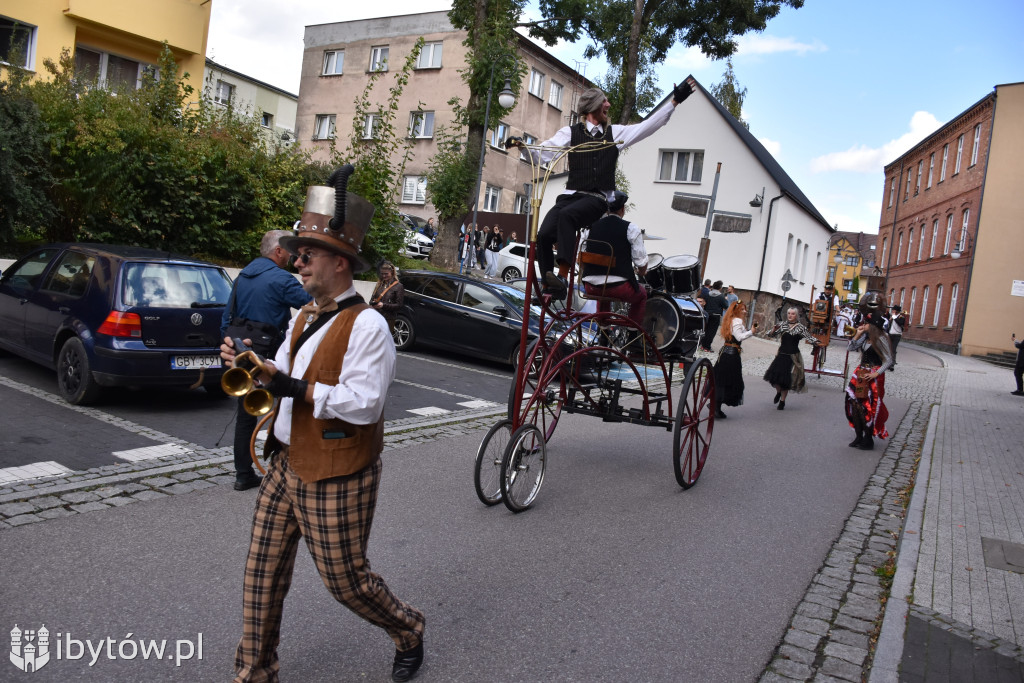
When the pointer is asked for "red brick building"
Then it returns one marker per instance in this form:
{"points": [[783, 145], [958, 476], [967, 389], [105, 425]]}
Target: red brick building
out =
{"points": [[930, 212]]}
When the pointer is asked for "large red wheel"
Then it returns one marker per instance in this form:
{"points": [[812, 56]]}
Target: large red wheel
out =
{"points": [[695, 422], [539, 406]]}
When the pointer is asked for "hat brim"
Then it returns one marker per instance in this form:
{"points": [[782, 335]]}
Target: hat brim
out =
{"points": [[292, 244]]}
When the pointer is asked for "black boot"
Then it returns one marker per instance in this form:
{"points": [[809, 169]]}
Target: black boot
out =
{"points": [[860, 438], [867, 443], [782, 405], [719, 413]]}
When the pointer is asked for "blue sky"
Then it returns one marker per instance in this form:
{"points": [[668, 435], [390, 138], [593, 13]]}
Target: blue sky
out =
{"points": [[835, 90]]}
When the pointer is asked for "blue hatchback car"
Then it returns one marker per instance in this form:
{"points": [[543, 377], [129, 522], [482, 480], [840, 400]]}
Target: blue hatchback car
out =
{"points": [[105, 316]]}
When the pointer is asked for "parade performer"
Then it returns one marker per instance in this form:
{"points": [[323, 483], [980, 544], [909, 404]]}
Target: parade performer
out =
{"points": [[786, 373], [591, 181], [865, 394], [729, 368], [332, 375], [626, 243]]}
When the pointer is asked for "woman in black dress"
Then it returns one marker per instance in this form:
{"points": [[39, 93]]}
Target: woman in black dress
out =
{"points": [[786, 373], [729, 368]]}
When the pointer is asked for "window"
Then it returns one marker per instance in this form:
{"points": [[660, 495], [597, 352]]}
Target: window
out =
{"points": [[945, 158], [831, 274], [414, 190], [892, 296], [680, 166], [920, 168], [379, 58], [110, 71], [323, 127], [555, 95], [223, 93], [789, 250], [903, 291], [924, 305], [71, 276], [421, 124], [952, 305], [977, 144], [499, 134], [962, 242], [522, 204], [920, 243], [949, 234], [536, 83], [913, 303], [333, 62], [430, 56], [847, 285], [959, 154], [910, 243], [892, 190], [492, 195], [442, 288], [530, 140], [899, 249], [931, 169], [851, 260], [475, 296], [17, 43], [935, 238], [267, 120], [906, 194], [885, 247], [371, 123], [938, 305], [803, 263]]}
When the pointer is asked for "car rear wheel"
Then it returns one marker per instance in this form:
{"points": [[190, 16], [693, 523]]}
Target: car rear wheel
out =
{"points": [[403, 333], [74, 376], [510, 273]]}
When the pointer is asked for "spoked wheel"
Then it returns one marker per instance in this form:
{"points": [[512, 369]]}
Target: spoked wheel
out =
{"points": [[487, 473], [547, 408], [695, 421], [822, 353], [522, 468]]}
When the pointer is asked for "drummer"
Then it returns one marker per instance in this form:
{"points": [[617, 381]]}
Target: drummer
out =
{"points": [[628, 252]]}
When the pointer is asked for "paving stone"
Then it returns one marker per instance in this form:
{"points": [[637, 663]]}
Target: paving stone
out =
{"points": [[860, 610], [223, 479], [815, 626], [822, 678], [120, 501], [856, 625], [79, 497], [46, 502], [210, 471], [853, 655], [180, 487], [89, 507], [132, 487], [807, 641], [841, 669], [202, 484], [108, 491], [814, 611], [23, 519], [772, 677], [788, 667], [149, 495], [841, 635], [15, 509], [157, 482], [822, 599], [54, 513], [797, 654], [186, 476]]}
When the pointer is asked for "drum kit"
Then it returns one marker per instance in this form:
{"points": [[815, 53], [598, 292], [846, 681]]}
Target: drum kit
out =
{"points": [[673, 317]]}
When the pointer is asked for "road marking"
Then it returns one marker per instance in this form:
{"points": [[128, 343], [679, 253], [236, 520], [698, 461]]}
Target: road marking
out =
{"points": [[429, 410], [37, 470], [424, 359], [477, 404], [440, 391], [151, 452]]}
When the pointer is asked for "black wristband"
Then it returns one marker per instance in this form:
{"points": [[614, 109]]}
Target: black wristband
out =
{"points": [[285, 386]]}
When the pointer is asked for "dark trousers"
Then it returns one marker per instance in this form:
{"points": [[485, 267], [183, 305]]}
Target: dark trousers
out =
{"points": [[1018, 374], [629, 293], [711, 330], [894, 341], [563, 222], [244, 425]]}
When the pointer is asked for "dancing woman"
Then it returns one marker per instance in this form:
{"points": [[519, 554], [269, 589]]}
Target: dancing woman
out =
{"points": [[729, 367], [865, 394], [786, 373]]}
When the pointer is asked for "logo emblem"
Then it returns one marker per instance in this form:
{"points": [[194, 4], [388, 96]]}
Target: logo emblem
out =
{"points": [[196, 319], [30, 650]]}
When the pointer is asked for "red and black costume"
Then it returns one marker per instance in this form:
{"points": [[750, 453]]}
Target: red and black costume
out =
{"points": [[865, 398]]}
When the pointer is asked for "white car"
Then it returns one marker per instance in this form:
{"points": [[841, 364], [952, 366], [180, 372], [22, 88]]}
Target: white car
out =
{"points": [[417, 245], [512, 261]]}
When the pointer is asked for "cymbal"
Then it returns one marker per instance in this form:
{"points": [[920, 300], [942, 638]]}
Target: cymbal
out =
{"points": [[651, 237]]}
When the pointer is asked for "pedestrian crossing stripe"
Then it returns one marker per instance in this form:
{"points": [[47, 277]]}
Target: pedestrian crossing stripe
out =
{"points": [[429, 410], [151, 452], [477, 404], [37, 470]]}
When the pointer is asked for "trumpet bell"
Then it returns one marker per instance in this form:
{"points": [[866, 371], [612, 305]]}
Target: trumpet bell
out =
{"points": [[236, 382], [258, 402]]}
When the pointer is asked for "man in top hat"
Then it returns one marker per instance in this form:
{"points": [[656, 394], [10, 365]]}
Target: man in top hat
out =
{"points": [[591, 181], [896, 322], [332, 374]]}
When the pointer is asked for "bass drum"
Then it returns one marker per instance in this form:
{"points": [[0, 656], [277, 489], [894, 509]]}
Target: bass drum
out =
{"points": [[682, 274], [676, 324], [655, 277]]}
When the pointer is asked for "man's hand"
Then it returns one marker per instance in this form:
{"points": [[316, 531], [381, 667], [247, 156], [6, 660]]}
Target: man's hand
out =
{"points": [[682, 91], [228, 350], [513, 141]]}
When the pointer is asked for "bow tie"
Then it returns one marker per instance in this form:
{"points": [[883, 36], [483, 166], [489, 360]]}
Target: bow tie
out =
{"points": [[313, 311]]}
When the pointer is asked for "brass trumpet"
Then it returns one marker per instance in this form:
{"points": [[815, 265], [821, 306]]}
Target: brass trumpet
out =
{"points": [[239, 381]]}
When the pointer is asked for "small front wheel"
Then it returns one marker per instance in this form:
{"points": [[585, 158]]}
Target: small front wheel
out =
{"points": [[522, 468], [487, 473]]}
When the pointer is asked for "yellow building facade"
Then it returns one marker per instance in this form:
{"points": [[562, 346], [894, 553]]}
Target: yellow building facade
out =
{"points": [[116, 40]]}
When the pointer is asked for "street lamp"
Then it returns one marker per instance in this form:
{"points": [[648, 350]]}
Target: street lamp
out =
{"points": [[961, 246]]}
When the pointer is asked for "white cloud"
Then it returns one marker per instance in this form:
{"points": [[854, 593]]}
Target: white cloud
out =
{"points": [[864, 159], [761, 44], [772, 146], [688, 59]]}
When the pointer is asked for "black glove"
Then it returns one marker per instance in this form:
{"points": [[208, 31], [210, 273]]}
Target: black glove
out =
{"points": [[513, 141], [286, 386], [681, 92]]}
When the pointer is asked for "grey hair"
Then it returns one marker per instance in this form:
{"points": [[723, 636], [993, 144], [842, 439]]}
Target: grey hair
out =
{"points": [[271, 240], [794, 309], [591, 100]]}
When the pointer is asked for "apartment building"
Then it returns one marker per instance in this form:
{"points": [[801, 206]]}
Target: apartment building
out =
{"points": [[337, 63], [247, 96], [943, 201], [115, 41], [852, 264]]}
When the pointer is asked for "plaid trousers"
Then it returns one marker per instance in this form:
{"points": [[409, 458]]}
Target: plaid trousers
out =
{"points": [[334, 516]]}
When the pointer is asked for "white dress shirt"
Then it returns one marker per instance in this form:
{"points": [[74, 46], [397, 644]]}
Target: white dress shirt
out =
{"points": [[367, 370], [739, 331], [637, 252]]}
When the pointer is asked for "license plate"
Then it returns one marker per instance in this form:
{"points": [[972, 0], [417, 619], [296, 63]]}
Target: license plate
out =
{"points": [[194, 362]]}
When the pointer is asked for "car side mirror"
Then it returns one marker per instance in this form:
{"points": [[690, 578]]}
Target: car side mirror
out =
{"points": [[501, 311]]}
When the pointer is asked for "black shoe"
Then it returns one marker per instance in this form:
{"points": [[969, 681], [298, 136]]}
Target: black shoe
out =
{"points": [[778, 395], [856, 442], [1017, 393], [407, 663], [555, 286], [250, 480], [719, 414], [867, 444], [782, 405]]}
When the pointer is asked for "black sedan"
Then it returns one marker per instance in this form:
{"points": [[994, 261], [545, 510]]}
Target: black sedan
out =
{"points": [[462, 314], [105, 315]]}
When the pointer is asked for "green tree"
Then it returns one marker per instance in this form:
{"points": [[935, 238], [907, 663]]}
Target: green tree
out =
{"points": [[730, 95], [655, 26]]}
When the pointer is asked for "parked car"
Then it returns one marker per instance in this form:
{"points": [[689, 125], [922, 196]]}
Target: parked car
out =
{"points": [[105, 316], [418, 245], [463, 314], [512, 261], [415, 223]]}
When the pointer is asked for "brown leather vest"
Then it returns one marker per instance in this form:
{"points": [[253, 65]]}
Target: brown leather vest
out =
{"points": [[321, 449]]}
